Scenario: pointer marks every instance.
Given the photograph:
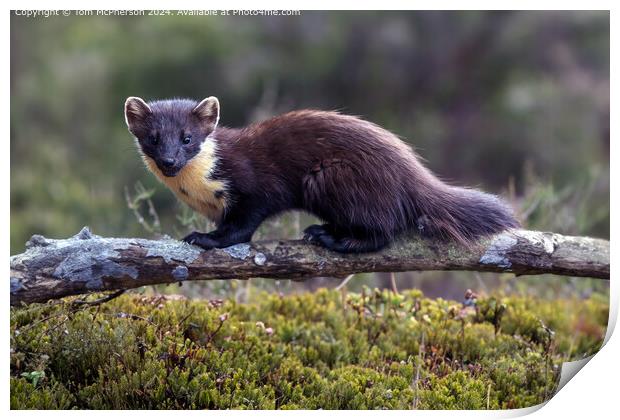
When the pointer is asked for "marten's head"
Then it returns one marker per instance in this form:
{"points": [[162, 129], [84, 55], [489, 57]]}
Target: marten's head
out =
{"points": [[171, 132]]}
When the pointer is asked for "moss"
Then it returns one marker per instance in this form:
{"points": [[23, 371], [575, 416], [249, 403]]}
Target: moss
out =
{"points": [[456, 391], [373, 350]]}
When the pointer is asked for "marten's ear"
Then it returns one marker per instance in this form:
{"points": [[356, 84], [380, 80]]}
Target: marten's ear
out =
{"points": [[136, 111], [208, 112]]}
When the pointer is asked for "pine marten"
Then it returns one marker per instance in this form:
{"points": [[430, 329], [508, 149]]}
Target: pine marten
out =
{"points": [[360, 179]]}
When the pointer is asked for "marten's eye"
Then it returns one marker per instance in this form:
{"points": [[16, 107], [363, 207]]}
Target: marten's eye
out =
{"points": [[153, 140], [187, 139]]}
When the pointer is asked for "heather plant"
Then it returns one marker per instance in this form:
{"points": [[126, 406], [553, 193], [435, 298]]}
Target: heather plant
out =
{"points": [[329, 349]]}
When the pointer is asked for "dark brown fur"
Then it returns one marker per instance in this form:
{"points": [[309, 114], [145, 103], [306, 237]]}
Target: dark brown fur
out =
{"points": [[359, 178]]}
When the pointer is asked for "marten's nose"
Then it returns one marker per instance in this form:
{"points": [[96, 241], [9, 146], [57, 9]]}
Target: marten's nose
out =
{"points": [[168, 162]]}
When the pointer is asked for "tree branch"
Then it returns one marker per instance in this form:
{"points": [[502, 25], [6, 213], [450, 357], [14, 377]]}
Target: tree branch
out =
{"points": [[87, 263]]}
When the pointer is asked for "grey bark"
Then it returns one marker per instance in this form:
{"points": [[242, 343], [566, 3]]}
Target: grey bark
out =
{"points": [[87, 263]]}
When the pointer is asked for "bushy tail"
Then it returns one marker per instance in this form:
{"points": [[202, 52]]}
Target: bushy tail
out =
{"points": [[462, 214]]}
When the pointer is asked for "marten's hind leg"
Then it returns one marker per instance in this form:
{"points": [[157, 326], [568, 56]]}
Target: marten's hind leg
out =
{"points": [[336, 192], [314, 231], [328, 237]]}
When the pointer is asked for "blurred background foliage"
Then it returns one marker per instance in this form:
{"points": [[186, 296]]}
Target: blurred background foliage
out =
{"points": [[516, 103]]}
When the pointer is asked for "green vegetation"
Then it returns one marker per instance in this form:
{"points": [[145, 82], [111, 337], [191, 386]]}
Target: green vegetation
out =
{"points": [[325, 350]]}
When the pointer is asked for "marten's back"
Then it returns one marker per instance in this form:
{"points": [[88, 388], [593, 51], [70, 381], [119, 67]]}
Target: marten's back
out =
{"points": [[290, 145]]}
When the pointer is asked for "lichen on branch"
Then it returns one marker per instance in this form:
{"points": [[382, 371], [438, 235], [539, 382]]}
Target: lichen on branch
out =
{"points": [[85, 263]]}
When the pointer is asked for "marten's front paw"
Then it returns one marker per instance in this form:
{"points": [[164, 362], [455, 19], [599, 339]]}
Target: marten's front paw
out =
{"points": [[203, 240]]}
